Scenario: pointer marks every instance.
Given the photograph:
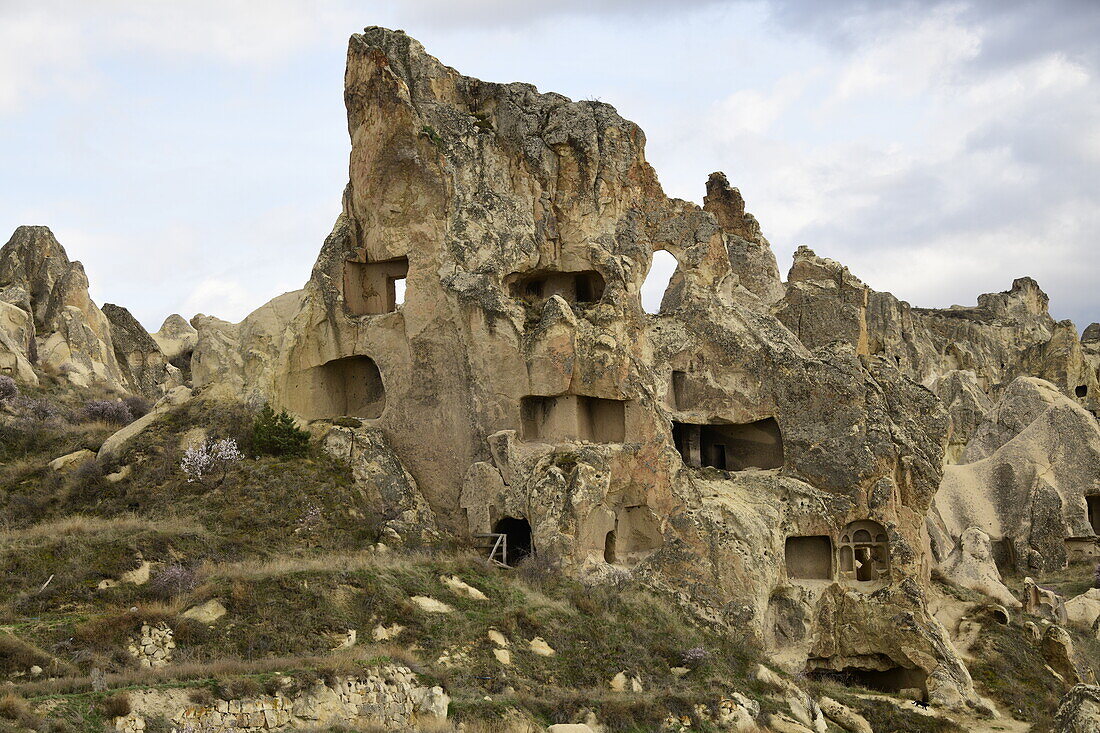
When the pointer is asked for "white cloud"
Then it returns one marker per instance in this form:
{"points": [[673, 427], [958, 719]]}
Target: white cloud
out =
{"points": [[228, 299]]}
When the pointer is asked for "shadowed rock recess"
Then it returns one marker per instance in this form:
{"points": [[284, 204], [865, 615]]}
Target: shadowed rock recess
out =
{"points": [[789, 461]]}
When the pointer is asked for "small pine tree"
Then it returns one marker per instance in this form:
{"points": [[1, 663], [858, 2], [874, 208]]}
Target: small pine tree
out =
{"points": [[275, 434]]}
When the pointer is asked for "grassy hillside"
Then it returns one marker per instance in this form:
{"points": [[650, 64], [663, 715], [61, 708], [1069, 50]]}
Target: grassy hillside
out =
{"points": [[287, 545]]}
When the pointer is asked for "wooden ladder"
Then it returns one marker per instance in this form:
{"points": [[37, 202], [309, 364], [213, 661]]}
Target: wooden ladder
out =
{"points": [[497, 547]]}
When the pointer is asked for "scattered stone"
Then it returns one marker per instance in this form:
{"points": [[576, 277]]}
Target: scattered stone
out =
{"points": [[69, 461], [139, 575], [540, 647], [461, 588], [431, 605], [1084, 610], [206, 613], [385, 633], [348, 640], [844, 716], [498, 638], [503, 656], [679, 671], [120, 475]]}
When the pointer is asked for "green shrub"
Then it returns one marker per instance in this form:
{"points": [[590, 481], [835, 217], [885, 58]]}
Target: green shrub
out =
{"points": [[275, 434]]}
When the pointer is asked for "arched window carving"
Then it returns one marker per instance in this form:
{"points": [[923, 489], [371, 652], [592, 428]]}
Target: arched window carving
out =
{"points": [[864, 552]]}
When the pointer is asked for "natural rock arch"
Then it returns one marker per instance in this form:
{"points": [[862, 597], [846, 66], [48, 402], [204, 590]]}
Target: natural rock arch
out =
{"points": [[657, 281]]}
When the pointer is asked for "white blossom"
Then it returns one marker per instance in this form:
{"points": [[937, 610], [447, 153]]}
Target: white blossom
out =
{"points": [[210, 458]]}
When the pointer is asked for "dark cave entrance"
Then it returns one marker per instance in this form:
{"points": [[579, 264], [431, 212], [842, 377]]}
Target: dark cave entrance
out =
{"points": [[584, 286], [1093, 503], [892, 680], [609, 547], [1081, 390], [518, 534], [730, 446]]}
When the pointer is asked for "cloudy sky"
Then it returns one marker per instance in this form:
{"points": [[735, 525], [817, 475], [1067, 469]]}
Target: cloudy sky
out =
{"points": [[192, 155]]}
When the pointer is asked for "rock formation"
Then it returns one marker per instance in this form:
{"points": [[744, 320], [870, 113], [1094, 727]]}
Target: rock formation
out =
{"points": [[789, 460], [47, 319], [774, 483]]}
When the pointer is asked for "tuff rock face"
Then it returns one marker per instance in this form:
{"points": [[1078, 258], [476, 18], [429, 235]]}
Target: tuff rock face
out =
{"points": [[790, 460], [706, 449], [47, 319]]}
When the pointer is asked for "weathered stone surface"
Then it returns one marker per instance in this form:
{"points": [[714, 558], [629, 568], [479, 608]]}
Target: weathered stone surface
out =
{"points": [[1025, 477], [70, 333], [1084, 610], [144, 368], [520, 379], [972, 566], [385, 483], [176, 337], [1007, 335], [72, 460], [1079, 711]]}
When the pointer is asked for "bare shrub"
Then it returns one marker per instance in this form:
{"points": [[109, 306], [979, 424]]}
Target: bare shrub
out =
{"points": [[7, 387], [138, 405], [108, 411], [173, 580]]}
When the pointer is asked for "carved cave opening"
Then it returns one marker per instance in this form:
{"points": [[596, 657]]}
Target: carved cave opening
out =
{"points": [[637, 531], [864, 552], [729, 446], [572, 417], [350, 386], [1082, 390], [681, 398], [894, 679], [518, 534], [1093, 504], [809, 558], [584, 286], [372, 288], [609, 547]]}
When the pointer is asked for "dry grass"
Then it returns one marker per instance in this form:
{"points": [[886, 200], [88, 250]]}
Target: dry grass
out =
{"points": [[342, 662], [16, 709], [79, 524], [331, 562]]}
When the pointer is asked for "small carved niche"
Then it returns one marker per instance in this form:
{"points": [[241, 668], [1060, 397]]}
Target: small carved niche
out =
{"points": [[809, 557], [584, 286], [372, 288]]}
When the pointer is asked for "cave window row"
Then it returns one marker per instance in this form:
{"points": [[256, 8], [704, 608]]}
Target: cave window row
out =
{"points": [[730, 446], [862, 555]]}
